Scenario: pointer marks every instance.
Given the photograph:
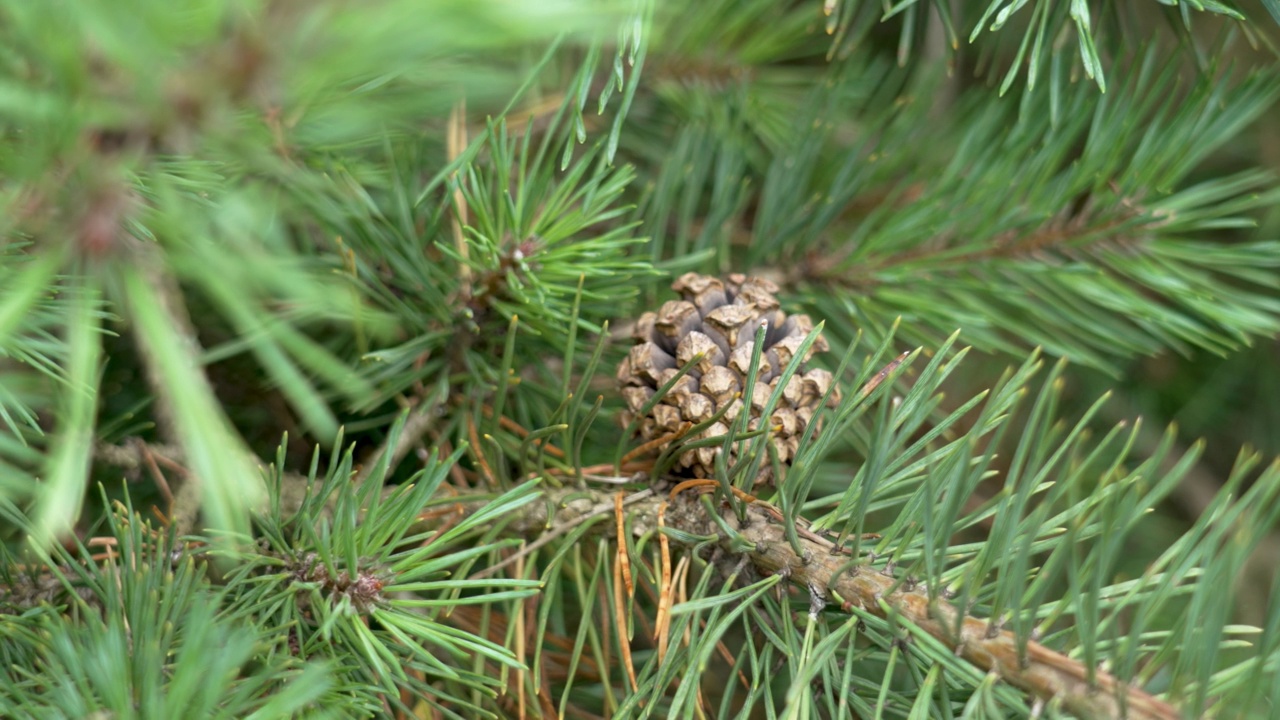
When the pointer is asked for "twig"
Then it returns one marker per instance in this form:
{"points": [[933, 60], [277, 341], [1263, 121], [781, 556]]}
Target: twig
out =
{"points": [[130, 457], [134, 456]]}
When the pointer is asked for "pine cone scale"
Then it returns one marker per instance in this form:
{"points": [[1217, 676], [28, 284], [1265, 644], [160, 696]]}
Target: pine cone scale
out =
{"points": [[714, 326]]}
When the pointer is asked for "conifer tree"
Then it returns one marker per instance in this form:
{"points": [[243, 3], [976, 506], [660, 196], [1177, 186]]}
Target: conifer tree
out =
{"points": [[736, 359]]}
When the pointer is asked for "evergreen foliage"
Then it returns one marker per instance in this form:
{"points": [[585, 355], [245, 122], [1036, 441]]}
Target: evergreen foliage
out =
{"points": [[410, 236]]}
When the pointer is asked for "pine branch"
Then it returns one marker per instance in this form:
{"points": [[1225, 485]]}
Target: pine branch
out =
{"points": [[1062, 230], [1043, 673]]}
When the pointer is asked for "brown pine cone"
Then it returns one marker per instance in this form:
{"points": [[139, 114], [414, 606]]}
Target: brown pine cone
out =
{"points": [[721, 318]]}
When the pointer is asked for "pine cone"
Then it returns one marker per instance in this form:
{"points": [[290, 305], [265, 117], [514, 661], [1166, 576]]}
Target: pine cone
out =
{"points": [[721, 319]]}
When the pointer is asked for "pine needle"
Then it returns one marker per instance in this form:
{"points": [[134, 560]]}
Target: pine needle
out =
{"points": [[620, 619], [662, 624], [624, 559]]}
